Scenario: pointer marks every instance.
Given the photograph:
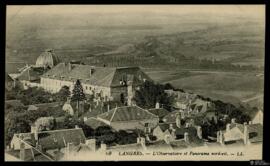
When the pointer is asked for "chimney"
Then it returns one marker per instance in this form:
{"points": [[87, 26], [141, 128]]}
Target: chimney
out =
{"points": [[91, 143], [143, 143], [186, 137], [228, 126], [250, 122], [220, 138], [157, 105], [85, 119], [103, 147], [68, 149], [138, 140], [22, 151], [171, 126], [34, 130], [233, 121], [199, 132], [76, 127], [246, 134], [178, 120]]}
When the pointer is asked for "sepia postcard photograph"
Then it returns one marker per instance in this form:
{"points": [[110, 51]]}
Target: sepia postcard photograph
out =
{"points": [[134, 82]]}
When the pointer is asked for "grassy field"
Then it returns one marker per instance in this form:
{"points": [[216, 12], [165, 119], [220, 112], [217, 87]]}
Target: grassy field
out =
{"points": [[226, 86]]}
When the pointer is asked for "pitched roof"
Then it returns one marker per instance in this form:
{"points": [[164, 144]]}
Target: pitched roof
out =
{"points": [[54, 139], [160, 112], [94, 123], [127, 113], [31, 74], [100, 76]]}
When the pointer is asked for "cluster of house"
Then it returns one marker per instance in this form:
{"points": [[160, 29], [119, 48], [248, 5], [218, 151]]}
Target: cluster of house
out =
{"points": [[176, 133]]}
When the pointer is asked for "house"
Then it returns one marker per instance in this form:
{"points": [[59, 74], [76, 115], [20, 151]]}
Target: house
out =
{"points": [[248, 133], [129, 117], [109, 83]]}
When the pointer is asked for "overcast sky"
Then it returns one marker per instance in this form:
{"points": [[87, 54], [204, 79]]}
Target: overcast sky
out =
{"points": [[256, 11]]}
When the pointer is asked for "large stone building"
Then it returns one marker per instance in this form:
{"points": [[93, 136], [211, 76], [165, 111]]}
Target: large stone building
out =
{"points": [[109, 83]]}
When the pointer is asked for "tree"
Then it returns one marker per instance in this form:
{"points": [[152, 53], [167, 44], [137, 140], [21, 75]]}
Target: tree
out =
{"points": [[78, 94], [105, 134], [149, 93], [63, 93]]}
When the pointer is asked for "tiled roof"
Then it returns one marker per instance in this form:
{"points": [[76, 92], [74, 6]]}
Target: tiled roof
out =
{"points": [[101, 76], [127, 113], [31, 74], [160, 112], [94, 123], [54, 139]]}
